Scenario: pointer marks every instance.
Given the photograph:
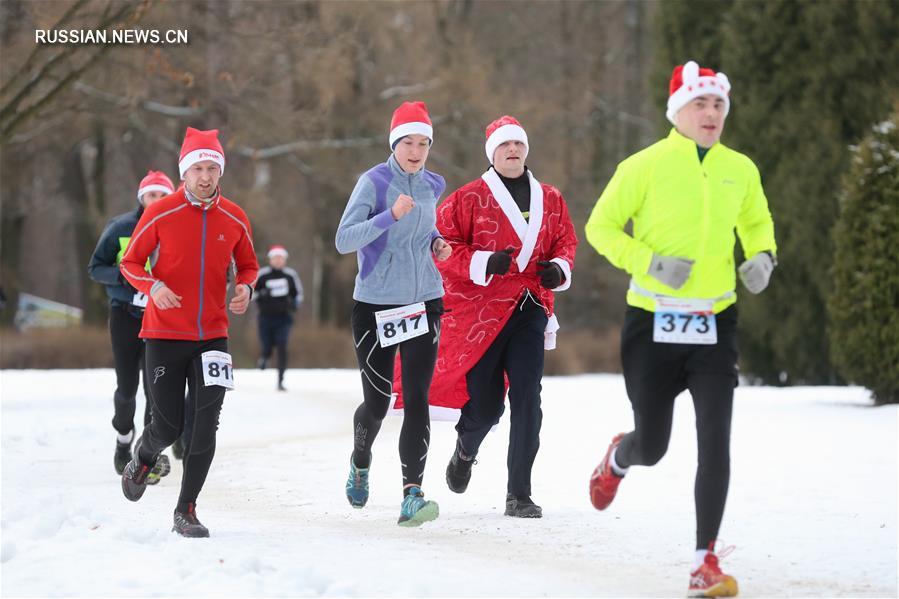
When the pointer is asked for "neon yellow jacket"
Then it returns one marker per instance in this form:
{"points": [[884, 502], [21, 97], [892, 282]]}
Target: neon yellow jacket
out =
{"points": [[686, 208]]}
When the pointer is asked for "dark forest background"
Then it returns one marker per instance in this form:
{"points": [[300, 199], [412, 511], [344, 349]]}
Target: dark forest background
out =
{"points": [[302, 93]]}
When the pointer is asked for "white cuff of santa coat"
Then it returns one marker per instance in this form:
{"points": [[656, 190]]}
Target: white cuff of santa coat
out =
{"points": [[477, 270], [549, 333], [566, 270]]}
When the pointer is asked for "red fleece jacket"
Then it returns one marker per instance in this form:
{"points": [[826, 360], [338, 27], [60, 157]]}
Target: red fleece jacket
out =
{"points": [[191, 248]]}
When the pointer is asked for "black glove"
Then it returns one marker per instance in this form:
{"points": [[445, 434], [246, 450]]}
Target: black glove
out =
{"points": [[551, 275], [499, 262]]}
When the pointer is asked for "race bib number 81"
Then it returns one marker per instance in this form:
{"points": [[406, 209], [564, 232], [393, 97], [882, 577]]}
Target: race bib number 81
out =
{"points": [[399, 324], [684, 321], [218, 370]]}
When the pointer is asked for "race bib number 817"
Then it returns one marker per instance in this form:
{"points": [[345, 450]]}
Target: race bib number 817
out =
{"points": [[399, 324], [218, 370]]}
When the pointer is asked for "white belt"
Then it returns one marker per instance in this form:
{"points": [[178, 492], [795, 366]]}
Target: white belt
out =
{"points": [[647, 293]]}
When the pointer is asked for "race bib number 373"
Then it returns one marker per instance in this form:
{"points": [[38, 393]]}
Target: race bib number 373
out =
{"points": [[218, 370], [684, 321], [399, 324]]}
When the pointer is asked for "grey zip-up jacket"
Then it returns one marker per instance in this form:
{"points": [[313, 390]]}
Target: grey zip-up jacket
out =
{"points": [[396, 265]]}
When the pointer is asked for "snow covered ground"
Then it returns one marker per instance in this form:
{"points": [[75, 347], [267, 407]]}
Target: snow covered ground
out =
{"points": [[812, 508]]}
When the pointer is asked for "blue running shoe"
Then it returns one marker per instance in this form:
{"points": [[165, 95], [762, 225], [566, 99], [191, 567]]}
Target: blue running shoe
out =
{"points": [[415, 510], [357, 486]]}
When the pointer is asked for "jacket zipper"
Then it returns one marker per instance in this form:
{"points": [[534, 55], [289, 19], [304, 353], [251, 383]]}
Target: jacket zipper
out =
{"points": [[202, 273], [704, 238], [412, 244]]}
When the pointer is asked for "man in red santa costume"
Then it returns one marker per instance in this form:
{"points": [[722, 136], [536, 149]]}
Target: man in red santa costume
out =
{"points": [[513, 246]]}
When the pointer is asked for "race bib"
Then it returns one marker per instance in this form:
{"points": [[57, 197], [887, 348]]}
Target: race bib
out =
{"points": [[139, 300], [679, 320], [217, 369], [277, 287], [399, 324]]}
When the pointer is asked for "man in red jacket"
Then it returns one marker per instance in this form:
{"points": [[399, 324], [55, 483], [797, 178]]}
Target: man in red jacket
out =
{"points": [[192, 238]]}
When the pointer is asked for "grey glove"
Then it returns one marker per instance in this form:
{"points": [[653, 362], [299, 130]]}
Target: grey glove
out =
{"points": [[756, 272], [670, 270]]}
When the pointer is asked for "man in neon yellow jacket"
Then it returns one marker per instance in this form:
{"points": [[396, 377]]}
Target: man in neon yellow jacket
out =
{"points": [[686, 194]]}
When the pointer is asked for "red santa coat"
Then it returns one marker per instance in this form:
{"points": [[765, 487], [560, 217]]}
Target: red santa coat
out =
{"points": [[476, 220]]}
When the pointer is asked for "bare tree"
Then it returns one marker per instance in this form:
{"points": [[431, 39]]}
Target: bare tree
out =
{"points": [[302, 94]]}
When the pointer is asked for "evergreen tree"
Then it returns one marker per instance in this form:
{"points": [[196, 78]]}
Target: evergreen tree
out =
{"points": [[684, 30], [863, 309], [808, 78]]}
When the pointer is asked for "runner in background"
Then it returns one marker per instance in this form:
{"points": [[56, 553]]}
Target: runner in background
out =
{"points": [[126, 312], [279, 293]]}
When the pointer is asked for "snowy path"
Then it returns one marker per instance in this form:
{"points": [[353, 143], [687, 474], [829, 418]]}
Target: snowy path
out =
{"points": [[812, 509]]}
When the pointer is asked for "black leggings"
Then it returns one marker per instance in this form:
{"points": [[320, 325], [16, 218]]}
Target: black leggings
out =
{"points": [[274, 332], [169, 365], [655, 374], [128, 355], [417, 359]]}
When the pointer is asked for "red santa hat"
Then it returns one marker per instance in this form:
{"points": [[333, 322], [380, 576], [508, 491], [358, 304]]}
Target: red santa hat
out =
{"points": [[505, 128], [688, 82], [198, 146], [410, 118], [155, 181], [277, 250]]}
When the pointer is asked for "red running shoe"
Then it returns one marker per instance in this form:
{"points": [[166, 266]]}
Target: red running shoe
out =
{"points": [[604, 482], [709, 581]]}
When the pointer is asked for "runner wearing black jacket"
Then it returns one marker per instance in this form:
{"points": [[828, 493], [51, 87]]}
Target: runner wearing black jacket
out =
{"points": [[279, 293], [126, 311]]}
